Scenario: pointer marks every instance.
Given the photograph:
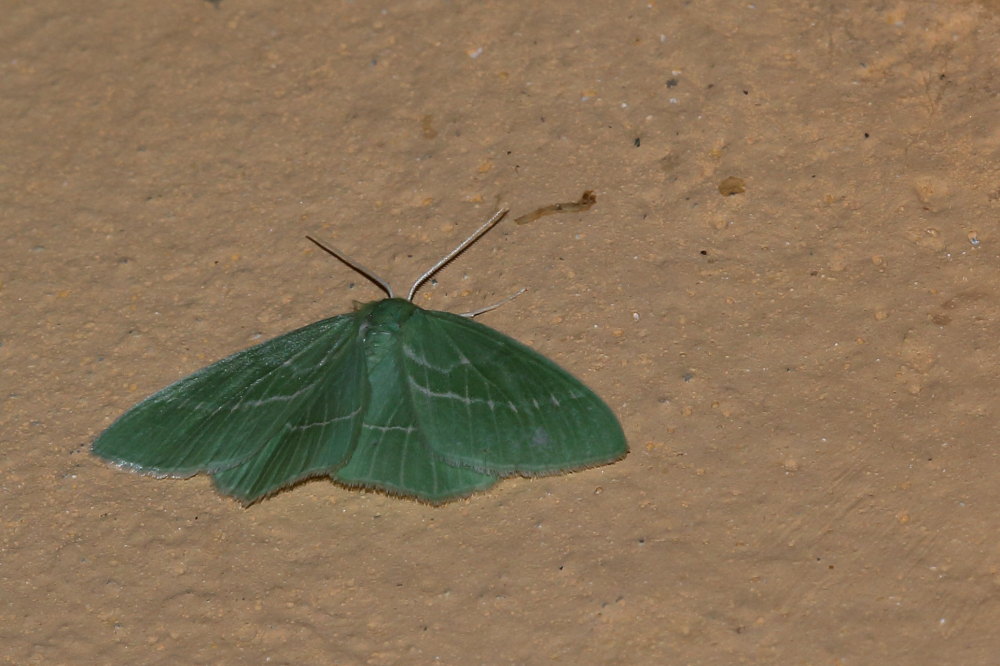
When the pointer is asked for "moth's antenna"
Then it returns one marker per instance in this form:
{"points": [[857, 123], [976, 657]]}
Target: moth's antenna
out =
{"points": [[454, 253], [480, 311], [371, 275]]}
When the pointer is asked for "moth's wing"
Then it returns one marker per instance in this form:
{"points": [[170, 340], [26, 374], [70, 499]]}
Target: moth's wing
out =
{"points": [[392, 452], [304, 390], [318, 436], [487, 402]]}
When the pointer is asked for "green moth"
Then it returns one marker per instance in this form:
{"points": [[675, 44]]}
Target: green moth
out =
{"points": [[413, 402]]}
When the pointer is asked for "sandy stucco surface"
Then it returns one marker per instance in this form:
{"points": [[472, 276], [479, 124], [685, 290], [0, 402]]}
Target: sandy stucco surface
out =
{"points": [[807, 370]]}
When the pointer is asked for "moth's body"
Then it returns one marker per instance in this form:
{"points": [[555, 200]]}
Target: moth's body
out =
{"points": [[411, 401]]}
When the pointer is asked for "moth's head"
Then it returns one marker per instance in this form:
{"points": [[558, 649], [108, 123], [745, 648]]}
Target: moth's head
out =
{"points": [[387, 315]]}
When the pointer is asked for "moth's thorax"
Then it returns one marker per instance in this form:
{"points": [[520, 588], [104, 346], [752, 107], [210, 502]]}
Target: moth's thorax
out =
{"points": [[382, 322]]}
